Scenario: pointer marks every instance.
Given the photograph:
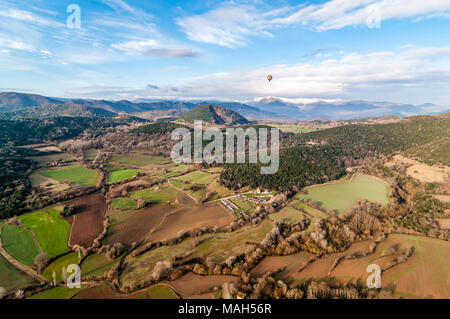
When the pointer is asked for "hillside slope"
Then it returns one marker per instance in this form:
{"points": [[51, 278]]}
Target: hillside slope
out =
{"points": [[13, 100], [214, 114], [55, 110]]}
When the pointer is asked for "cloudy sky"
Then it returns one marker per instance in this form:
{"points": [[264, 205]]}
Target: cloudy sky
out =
{"points": [[378, 50]]}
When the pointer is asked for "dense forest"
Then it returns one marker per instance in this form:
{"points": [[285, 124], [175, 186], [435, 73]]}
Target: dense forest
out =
{"points": [[321, 156]]}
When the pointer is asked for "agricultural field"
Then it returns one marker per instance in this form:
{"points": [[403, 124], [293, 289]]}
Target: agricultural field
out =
{"points": [[424, 275], [139, 160], [195, 192], [243, 204], [124, 203], [188, 218], [58, 265], [44, 160], [87, 223], [288, 215], [219, 247], [296, 129], [196, 177], [151, 195], [96, 265], [90, 154], [423, 172], [20, 243], [286, 266], [176, 170], [311, 213], [51, 231], [12, 278], [121, 175], [193, 285], [104, 292], [344, 194], [75, 174], [136, 226], [61, 292], [38, 180]]}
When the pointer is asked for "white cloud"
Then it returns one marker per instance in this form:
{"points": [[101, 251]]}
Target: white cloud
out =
{"points": [[337, 14], [231, 25], [16, 45], [136, 47], [226, 26], [417, 74], [27, 16]]}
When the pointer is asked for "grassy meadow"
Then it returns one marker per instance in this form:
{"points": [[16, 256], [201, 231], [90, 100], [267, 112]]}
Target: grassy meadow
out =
{"points": [[120, 175], [343, 195], [12, 278], [51, 231], [72, 174], [19, 242]]}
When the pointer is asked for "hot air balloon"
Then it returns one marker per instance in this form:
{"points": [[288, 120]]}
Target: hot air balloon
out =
{"points": [[269, 77]]}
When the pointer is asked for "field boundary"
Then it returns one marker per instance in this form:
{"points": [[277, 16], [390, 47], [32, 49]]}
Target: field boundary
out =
{"points": [[27, 270]]}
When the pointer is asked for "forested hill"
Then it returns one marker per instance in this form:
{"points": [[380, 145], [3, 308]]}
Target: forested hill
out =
{"points": [[55, 110], [318, 157], [214, 114]]}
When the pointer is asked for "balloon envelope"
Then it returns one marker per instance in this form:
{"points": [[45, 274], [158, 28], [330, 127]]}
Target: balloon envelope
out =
{"points": [[269, 77]]}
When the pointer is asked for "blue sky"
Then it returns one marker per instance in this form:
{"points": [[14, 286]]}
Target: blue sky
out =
{"points": [[378, 50]]}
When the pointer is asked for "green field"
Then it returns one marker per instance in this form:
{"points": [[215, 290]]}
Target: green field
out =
{"points": [[73, 174], [20, 243], [123, 203], [176, 170], [118, 176], [296, 128], [96, 265], [245, 205], [51, 231], [315, 213], [288, 214], [343, 195], [196, 177], [138, 159], [165, 194], [57, 266], [11, 278], [61, 292]]}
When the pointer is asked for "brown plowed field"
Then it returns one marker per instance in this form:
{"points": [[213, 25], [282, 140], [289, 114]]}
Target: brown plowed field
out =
{"points": [[207, 215], [104, 292], [136, 227], [192, 284], [88, 223]]}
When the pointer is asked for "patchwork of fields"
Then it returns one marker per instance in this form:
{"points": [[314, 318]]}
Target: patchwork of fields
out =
{"points": [[167, 200]]}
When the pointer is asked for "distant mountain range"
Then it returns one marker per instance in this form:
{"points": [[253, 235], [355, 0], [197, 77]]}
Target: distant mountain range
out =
{"points": [[340, 109], [264, 108]]}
